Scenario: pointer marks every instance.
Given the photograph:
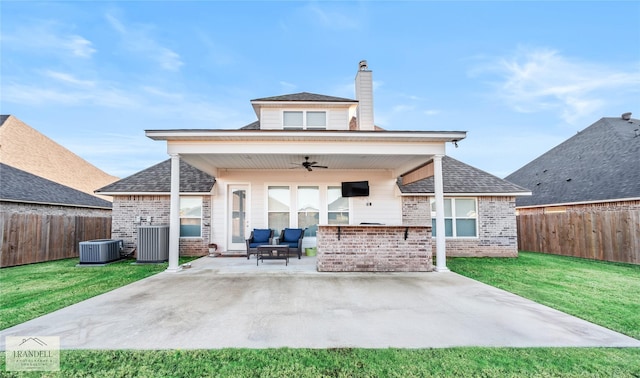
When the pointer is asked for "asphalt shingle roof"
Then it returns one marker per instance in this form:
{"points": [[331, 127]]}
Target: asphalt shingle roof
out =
{"points": [[305, 96], [461, 178], [19, 186], [601, 162], [157, 179]]}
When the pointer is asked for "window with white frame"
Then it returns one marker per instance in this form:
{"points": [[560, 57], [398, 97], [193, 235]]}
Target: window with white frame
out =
{"points": [[278, 208], [190, 217], [460, 217], [304, 120], [337, 206], [309, 209]]}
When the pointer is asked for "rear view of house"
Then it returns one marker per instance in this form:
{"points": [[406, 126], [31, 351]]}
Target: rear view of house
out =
{"points": [[367, 198]]}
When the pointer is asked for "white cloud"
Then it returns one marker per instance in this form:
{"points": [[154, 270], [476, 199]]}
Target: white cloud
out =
{"points": [[68, 79], [332, 19], [137, 39], [287, 87], [47, 37], [538, 79]]}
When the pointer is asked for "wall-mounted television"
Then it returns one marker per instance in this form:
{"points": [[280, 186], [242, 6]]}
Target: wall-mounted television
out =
{"points": [[355, 189]]}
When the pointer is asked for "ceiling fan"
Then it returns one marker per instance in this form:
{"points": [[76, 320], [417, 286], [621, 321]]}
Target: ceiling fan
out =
{"points": [[311, 164]]}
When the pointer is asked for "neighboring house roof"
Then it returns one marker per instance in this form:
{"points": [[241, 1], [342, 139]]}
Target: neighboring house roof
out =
{"points": [[600, 163], [460, 178], [25, 148], [252, 126], [20, 186], [305, 96], [157, 179]]}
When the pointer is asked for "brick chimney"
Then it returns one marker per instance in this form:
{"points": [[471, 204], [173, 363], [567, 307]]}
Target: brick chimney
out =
{"points": [[364, 95]]}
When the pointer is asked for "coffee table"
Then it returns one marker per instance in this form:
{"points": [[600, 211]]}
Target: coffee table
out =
{"points": [[266, 252]]}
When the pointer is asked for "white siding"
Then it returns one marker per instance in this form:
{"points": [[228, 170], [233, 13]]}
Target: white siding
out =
{"points": [[337, 118], [271, 119], [385, 206]]}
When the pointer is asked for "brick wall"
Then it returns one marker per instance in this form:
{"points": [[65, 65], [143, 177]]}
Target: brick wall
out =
{"points": [[497, 229], [374, 249], [126, 210]]}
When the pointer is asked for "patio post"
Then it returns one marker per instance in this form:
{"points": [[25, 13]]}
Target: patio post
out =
{"points": [[174, 215], [441, 255]]}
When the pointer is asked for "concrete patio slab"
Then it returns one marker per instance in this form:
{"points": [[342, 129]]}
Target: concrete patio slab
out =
{"points": [[231, 302]]}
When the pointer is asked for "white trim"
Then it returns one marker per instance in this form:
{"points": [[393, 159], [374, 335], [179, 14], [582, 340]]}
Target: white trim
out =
{"points": [[516, 194], [112, 194], [579, 203], [329, 135]]}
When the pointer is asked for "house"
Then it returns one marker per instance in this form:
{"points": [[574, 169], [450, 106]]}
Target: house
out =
{"points": [[25, 148], [586, 194], [41, 220], [293, 167]]}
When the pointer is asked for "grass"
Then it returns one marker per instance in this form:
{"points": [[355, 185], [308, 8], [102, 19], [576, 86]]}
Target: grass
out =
{"points": [[284, 362], [604, 293], [29, 291]]}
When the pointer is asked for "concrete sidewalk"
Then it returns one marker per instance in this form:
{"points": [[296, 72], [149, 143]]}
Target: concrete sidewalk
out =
{"points": [[231, 302]]}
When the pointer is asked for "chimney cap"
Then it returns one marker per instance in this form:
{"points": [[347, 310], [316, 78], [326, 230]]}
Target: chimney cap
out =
{"points": [[362, 65], [626, 116]]}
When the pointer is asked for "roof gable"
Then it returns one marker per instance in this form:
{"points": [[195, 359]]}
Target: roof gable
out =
{"points": [[304, 97], [21, 186], [25, 148], [461, 178], [601, 162], [157, 179]]}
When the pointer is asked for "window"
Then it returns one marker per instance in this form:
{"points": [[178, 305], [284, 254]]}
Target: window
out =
{"points": [[311, 120], [338, 206], [190, 217], [316, 120], [292, 120], [278, 208], [309, 209], [460, 217]]}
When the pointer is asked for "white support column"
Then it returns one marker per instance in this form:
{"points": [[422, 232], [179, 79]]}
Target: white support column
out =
{"points": [[441, 255], [174, 215]]}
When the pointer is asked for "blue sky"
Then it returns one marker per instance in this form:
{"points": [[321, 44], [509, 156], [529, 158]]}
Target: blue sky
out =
{"points": [[519, 77]]}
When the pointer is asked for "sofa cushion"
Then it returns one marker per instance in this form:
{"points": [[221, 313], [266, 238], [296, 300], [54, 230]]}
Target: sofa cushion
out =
{"points": [[292, 235], [290, 244], [261, 236]]}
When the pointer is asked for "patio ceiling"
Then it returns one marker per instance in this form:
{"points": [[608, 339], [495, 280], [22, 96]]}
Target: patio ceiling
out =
{"points": [[213, 150]]}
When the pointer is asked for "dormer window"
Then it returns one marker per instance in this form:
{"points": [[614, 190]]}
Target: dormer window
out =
{"points": [[304, 120]]}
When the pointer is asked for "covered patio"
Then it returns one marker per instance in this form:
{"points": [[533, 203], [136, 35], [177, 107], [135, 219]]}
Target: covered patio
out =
{"points": [[237, 157]]}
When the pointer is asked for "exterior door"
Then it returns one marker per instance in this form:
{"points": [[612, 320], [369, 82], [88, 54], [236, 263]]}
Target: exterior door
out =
{"points": [[238, 217]]}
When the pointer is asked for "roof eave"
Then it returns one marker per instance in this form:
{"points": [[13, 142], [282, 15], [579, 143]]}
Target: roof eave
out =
{"points": [[579, 203], [56, 204], [471, 194], [269, 135], [154, 193]]}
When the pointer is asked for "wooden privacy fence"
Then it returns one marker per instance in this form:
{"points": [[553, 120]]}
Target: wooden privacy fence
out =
{"points": [[31, 238], [605, 235]]}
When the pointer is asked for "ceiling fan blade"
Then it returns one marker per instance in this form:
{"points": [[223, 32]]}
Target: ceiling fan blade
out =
{"points": [[319, 166], [309, 168]]}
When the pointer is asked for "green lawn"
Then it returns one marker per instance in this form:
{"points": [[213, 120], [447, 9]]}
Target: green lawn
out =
{"points": [[29, 291], [603, 293]]}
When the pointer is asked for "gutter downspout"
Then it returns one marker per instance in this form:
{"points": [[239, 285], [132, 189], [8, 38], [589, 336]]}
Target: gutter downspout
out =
{"points": [[441, 255], [174, 215]]}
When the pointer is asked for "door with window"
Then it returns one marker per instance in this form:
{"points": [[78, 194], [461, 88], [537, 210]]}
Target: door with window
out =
{"points": [[239, 227]]}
